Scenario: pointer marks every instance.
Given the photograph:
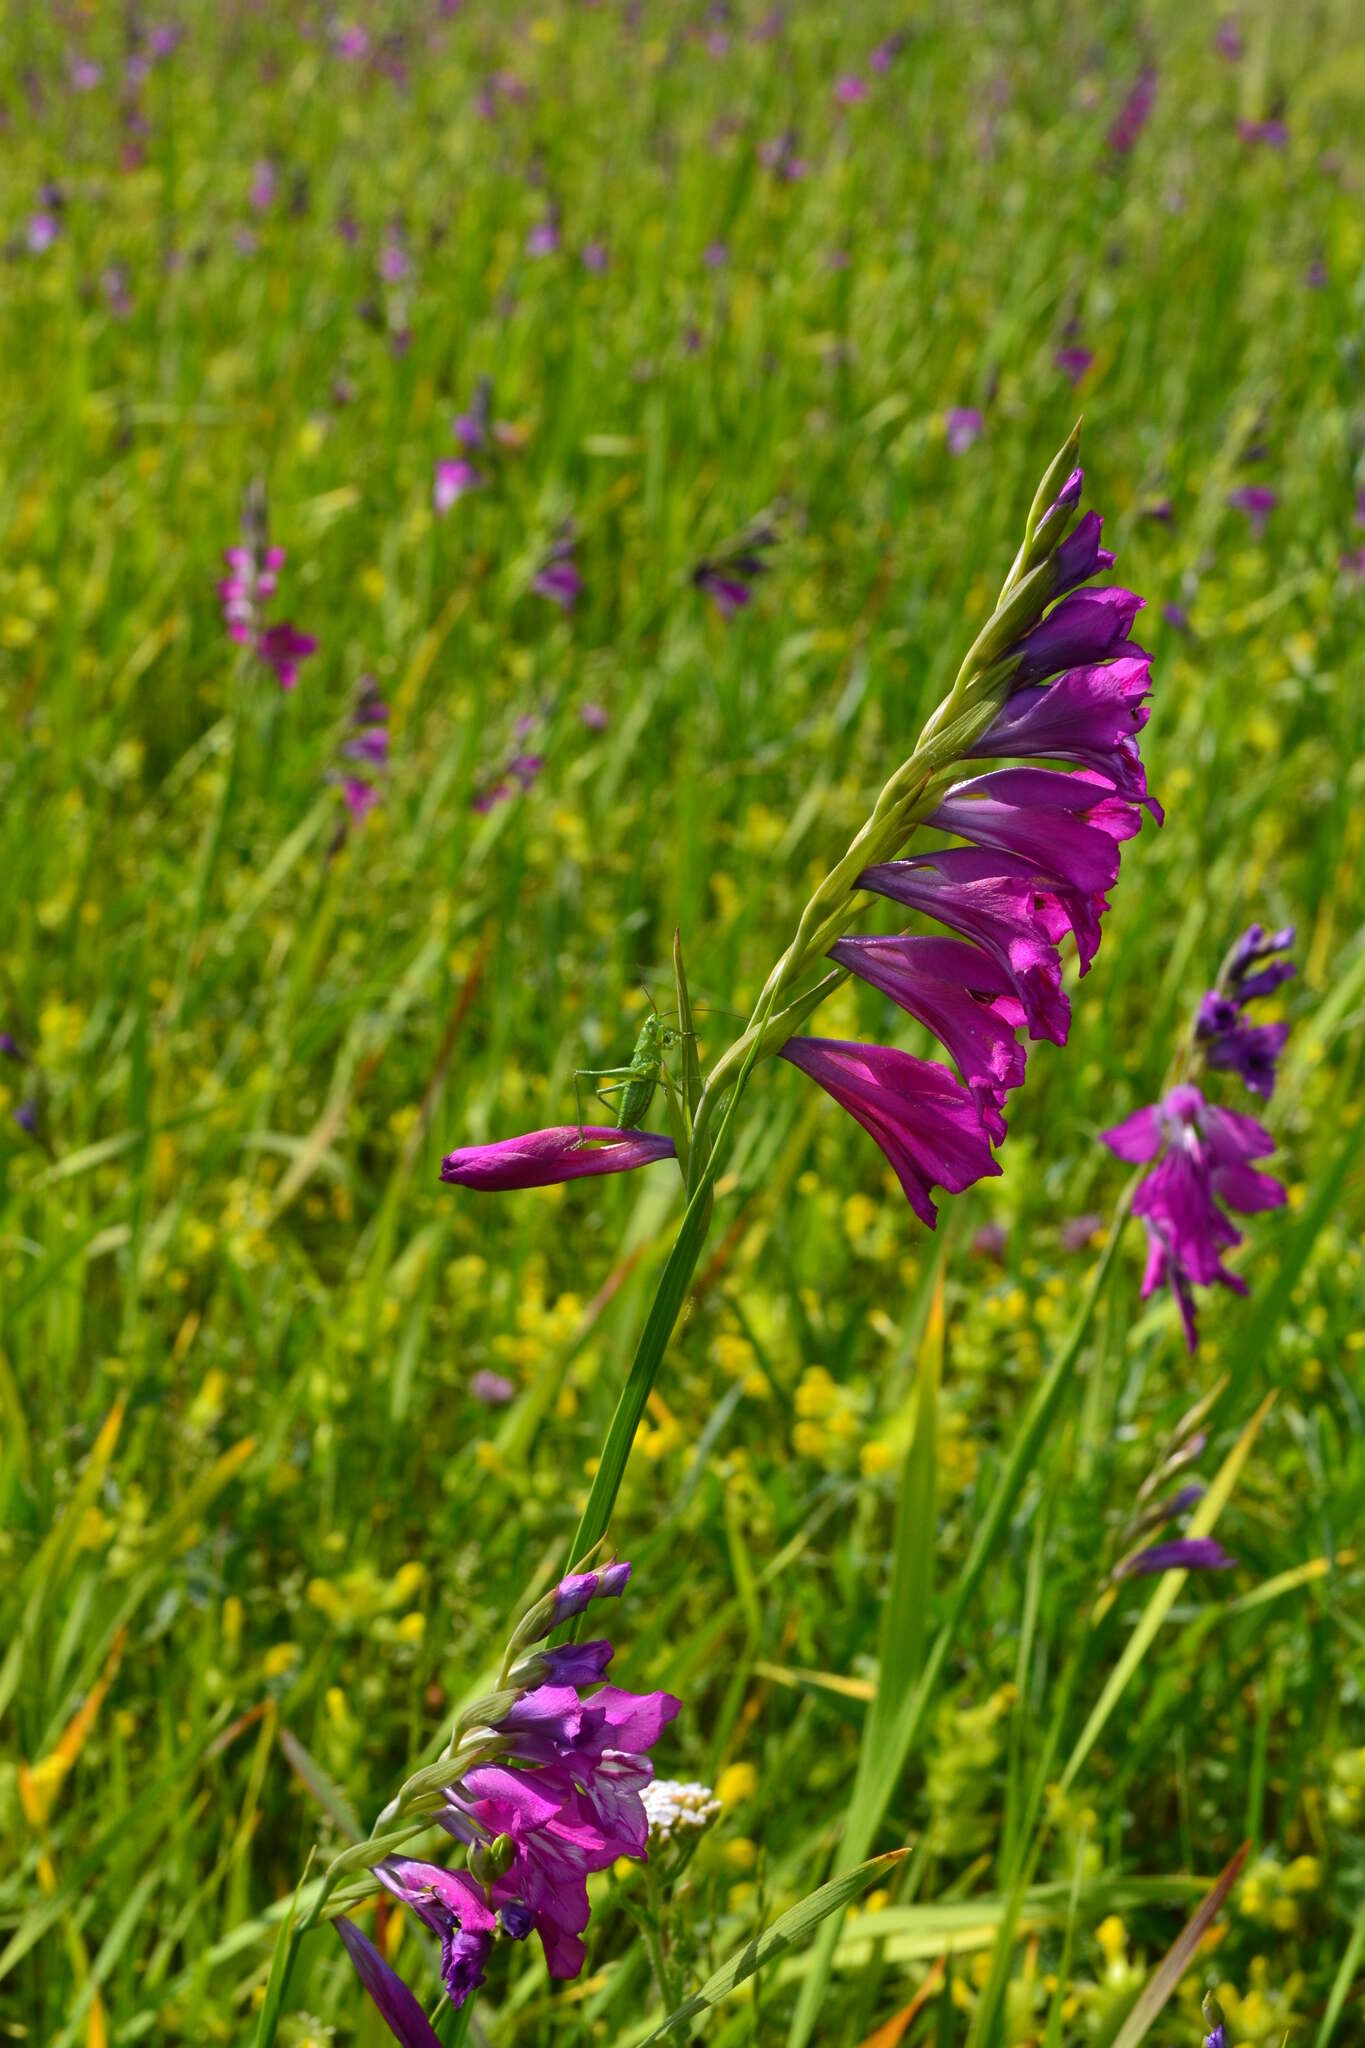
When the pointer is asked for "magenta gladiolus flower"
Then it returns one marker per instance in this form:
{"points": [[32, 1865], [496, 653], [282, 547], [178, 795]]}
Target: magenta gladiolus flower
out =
{"points": [[1087, 626], [995, 901], [1204, 1156], [455, 1909], [959, 994], [542, 1159], [1090, 715], [555, 1797], [926, 1123]]}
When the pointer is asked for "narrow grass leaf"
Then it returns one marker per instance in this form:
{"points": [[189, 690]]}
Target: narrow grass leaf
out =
{"points": [[1178, 1958]]}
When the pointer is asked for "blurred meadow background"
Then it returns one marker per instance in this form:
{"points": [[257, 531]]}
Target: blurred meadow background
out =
{"points": [[264, 1514]]}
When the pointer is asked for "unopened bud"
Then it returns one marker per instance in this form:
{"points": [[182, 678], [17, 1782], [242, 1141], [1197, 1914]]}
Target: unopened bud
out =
{"points": [[488, 1861]]}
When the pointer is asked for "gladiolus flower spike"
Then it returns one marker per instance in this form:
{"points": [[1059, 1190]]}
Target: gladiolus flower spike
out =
{"points": [[1200, 1154], [550, 1792], [1054, 677], [253, 572]]}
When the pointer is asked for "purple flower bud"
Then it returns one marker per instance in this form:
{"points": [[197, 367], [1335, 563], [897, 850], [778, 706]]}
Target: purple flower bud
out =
{"points": [[1182, 1553], [1088, 626], [399, 2010], [542, 1159], [1080, 555]]}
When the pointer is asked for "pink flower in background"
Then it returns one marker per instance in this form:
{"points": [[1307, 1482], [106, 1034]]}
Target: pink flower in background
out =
{"points": [[253, 571]]}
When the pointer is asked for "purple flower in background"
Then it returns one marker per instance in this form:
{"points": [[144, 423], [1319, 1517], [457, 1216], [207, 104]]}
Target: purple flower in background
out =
{"points": [[85, 74], [1204, 1158], [557, 577], [881, 58], [253, 571], [963, 427], [1181, 1554], [715, 255], [728, 576], [1251, 1051], [542, 1159], [1227, 39], [471, 428], [850, 90], [282, 647], [1133, 115], [595, 716], [452, 479], [1073, 361], [593, 256], [393, 262], [115, 283], [782, 157], [264, 185], [351, 41], [543, 239], [43, 230], [1270, 134], [1258, 501], [365, 752], [926, 1123], [492, 1388]]}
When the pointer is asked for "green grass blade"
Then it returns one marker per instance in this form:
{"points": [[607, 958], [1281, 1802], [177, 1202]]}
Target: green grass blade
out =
{"points": [[784, 1934], [904, 1725], [1177, 1958], [1343, 1980], [1166, 1593]]}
